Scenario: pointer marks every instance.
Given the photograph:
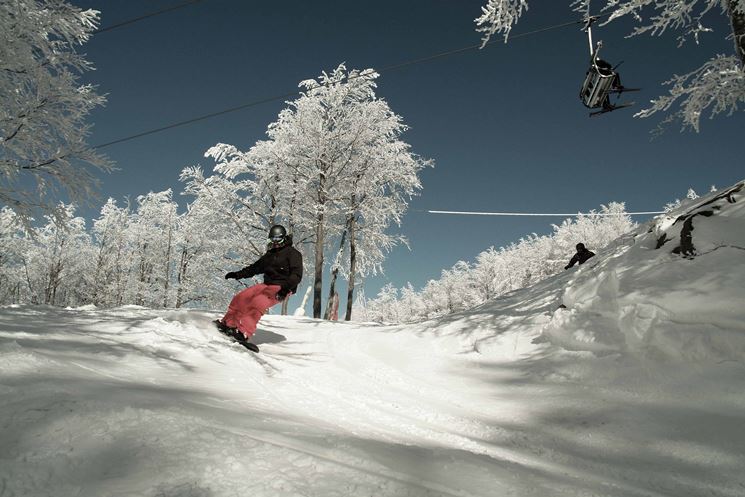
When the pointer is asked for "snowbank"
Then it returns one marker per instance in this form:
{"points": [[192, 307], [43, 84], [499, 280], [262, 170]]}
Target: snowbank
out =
{"points": [[675, 289]]}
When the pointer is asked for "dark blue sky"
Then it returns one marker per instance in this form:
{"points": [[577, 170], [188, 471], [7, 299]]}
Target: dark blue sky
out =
{"points": [[503, 124]]}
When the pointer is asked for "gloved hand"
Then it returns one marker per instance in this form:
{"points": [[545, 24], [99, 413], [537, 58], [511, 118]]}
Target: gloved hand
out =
{"points": [[231, 276], [282, 294]]}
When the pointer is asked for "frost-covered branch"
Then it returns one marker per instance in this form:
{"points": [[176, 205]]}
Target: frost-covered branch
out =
{"points": [[43, 108], [717, 87], [499, 16]]}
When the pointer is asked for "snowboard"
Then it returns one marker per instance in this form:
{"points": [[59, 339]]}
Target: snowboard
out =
{"points": [[235, 335]]}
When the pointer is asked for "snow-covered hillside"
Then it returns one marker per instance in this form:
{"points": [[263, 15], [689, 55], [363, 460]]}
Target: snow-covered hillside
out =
{"points": [[636, 387]]}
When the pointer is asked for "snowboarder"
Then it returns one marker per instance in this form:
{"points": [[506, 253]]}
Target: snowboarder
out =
{"points": [[282, 267], [581, 256]]}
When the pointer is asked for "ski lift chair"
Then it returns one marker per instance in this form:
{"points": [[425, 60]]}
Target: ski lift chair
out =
{"points": [[601, 80]]}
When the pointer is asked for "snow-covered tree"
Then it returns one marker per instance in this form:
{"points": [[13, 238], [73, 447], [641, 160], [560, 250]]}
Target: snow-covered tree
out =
{"points": [[58, 261], [486, 275], [436, 299], [151, 233], [385, 308], [458, 287], [206, 238], [411, 305], [111, 269], [12, 249], [385, 178], [333, 163], [318, 136], [237, 205], [718, 86], [43, 108]]}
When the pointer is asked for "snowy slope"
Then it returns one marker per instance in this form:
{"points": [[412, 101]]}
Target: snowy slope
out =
{"points": [[636, 388]]}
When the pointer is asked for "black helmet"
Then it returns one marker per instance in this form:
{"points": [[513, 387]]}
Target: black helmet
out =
{"points": [[580, 246], [277, 235]]}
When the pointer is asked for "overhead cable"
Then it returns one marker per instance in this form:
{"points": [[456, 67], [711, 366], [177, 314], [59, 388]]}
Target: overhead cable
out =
{"points": [[295, 92], [145, 16], [576, 214], [195, 119]]}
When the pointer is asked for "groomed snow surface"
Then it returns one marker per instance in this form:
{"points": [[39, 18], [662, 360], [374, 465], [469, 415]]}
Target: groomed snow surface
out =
{"points": [[636, 388]]}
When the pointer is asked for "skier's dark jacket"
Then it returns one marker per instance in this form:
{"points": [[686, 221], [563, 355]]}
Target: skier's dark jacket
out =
{"points": [[581, 256], [281, 266]]}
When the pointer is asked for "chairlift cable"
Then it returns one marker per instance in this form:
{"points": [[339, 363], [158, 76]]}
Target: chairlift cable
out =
{"points": [[391, 67], [196, 119], [470, 213], [472, 47], [145, 16]]}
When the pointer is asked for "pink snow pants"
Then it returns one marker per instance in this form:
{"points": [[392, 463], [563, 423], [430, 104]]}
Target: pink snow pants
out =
{"points": [[249, 305]]}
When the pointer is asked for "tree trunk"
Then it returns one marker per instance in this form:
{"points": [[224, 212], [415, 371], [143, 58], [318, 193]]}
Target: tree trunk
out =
{"points": [[285, 305], [53, 283], [98, 281], [145, 271], [318, 278], [320, 220], [737, 19], [119, 271], [167, 277], [334, 276], [181, 278], [352, 267], [54, 275], [34, 295]]}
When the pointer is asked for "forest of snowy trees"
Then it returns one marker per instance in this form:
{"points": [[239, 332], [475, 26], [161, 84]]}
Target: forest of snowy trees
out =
{"points": [[147, 253], [498, 271], [333, 171]]}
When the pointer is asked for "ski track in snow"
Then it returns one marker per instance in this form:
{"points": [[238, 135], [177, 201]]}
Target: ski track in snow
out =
{"points": [[157, 403]]}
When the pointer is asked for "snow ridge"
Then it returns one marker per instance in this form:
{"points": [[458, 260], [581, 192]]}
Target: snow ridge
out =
{"points": [[672, 290]]}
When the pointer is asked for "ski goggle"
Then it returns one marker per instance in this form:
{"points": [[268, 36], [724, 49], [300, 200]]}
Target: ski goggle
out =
{"points": [[276, 239]]}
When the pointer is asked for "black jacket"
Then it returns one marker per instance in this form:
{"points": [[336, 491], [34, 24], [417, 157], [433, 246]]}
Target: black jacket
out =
{"points": [[282, 266], [581, 256]]}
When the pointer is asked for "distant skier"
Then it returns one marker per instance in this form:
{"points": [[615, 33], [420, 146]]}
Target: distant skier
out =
{"points": [[581, 256], [282, 267]]}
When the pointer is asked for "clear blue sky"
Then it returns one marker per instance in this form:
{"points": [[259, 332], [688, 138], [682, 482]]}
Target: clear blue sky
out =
{"points": [[503, 124]]}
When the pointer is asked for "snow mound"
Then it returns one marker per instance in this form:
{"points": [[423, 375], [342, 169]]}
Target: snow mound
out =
{"points": [[673, 290], [87, 307]]}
